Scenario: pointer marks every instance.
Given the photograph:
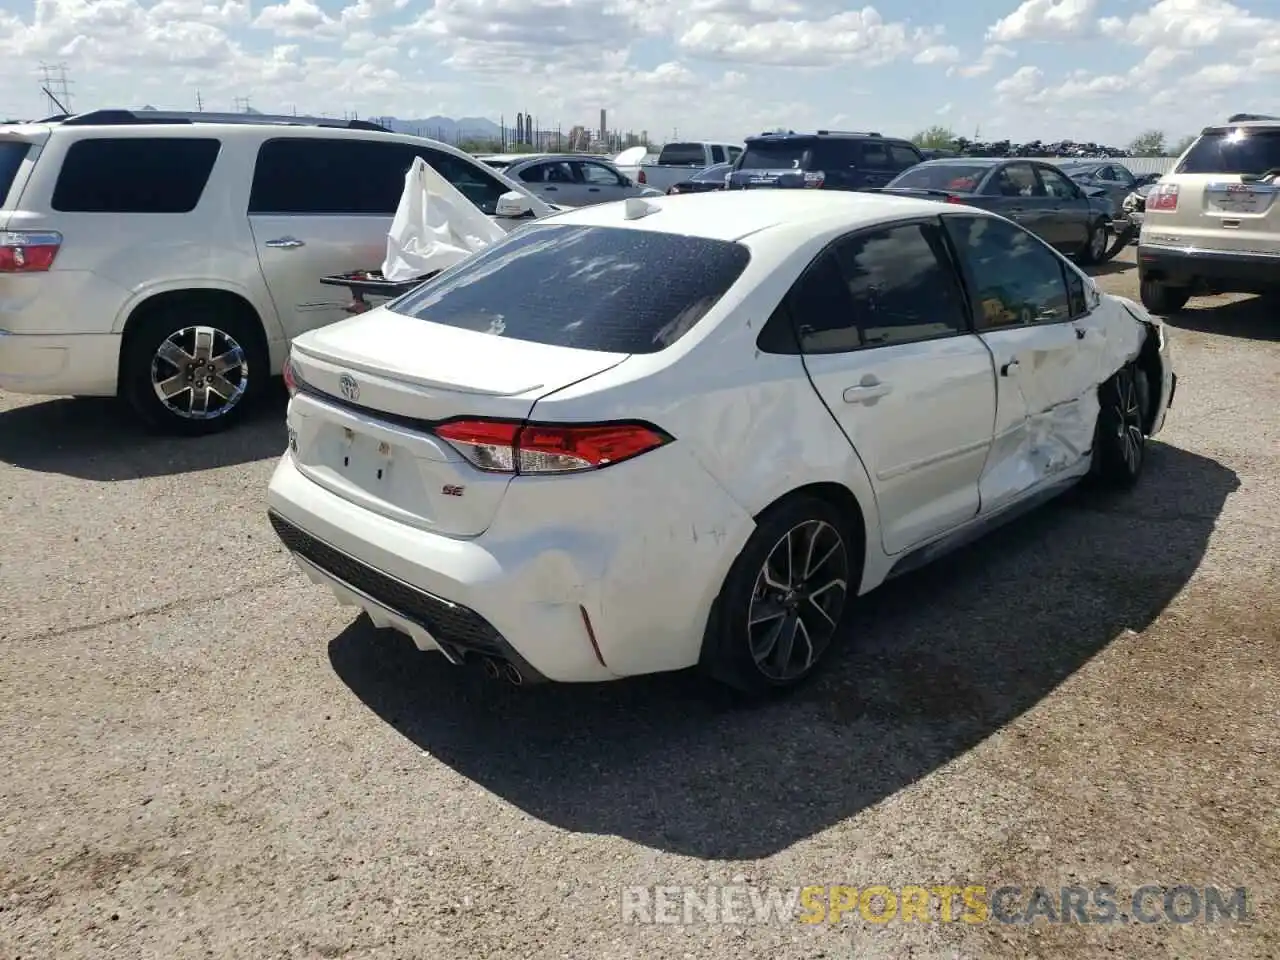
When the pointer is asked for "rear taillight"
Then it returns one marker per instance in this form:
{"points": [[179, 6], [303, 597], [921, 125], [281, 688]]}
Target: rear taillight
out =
{"points": [[952, 198], [814, 180], [24, 251], [1163, 196], [290, 375], [501, 446], [641, 178]]}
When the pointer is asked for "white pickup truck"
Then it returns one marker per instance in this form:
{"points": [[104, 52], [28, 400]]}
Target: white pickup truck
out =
{"points": [[677, 161]]}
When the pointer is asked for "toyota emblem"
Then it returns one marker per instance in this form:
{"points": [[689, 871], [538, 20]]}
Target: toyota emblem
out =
{"points": [[350, 389]]}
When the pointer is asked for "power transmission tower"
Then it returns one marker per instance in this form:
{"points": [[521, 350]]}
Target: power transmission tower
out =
{"points": [[242, 104], [56, 87]]}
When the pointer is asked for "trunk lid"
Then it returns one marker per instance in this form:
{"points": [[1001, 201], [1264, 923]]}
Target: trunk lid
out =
{"points": [[374, 385], [766, 179]]}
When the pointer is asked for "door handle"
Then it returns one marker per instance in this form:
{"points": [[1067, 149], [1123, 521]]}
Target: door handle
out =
{"points": [[549, 189], [593, 189], [285, 243], [869, 389], [1011, 365]]}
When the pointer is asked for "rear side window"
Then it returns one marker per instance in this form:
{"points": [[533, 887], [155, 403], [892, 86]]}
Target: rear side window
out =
{"points": [[789, 154], [903, 156], [875, 155], [12, 153], [354, 177], [834, 154], [679, 154], [955, 177], [1237, 151], [586, 287], [134, 175]]}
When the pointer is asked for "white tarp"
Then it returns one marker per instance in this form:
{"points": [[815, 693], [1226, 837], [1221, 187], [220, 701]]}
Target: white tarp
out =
{"points": [[435, 226]]}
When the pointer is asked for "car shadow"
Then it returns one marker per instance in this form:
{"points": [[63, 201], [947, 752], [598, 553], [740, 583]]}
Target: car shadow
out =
{"points": [[1253, 318], [96, 439], [940, 660], [1110, 268]]}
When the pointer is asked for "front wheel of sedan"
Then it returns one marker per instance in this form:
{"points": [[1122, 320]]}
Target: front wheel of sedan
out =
{"points": [[784, 599], [1095, 249]]}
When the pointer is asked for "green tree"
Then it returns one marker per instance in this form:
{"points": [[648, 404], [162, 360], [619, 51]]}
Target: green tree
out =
{"points": [[935, 138], [1180, 147], [1148, 144]]}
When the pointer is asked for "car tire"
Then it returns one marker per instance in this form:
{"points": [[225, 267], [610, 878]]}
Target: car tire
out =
{"points": [[1096, 245], [1162, 299], [1120, 439], [771, 626], [199, 350]]}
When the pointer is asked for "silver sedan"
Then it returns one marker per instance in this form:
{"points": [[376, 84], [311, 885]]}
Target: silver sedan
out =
{"points": [[574, 180]]}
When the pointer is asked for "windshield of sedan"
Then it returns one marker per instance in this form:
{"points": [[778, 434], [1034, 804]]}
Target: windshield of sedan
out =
{"points": [[953, 177], [585, 287], [1239, 151]]}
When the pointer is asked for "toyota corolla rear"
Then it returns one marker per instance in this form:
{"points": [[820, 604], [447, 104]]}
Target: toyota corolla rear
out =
{"points": [[463, 464]]}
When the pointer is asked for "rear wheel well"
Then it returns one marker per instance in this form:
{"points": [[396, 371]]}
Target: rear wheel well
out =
{"points": [[177, 300], [840, 497]]}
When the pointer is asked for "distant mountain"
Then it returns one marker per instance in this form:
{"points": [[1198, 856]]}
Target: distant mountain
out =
{"points": [[446, 128]]}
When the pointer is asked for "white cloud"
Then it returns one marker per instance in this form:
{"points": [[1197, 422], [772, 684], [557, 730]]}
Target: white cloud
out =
{"points": [[991, 55], [937, 54], [1189, 24], [1045, 20]]}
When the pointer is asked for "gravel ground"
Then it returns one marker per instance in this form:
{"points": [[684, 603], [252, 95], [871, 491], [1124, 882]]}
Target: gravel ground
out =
{"points": [[206, 757]]}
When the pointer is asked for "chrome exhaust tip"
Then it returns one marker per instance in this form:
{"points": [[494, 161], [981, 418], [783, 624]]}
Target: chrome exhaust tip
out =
{"points": [[512, 674], [491, 668]]}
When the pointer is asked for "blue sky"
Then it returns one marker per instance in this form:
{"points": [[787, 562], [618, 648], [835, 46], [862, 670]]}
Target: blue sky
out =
{"points": [[1099, 70]]}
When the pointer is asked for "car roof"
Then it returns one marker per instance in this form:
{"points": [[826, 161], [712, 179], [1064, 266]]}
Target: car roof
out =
{"points": [[527, 157], [967, 161], [734, 215]]}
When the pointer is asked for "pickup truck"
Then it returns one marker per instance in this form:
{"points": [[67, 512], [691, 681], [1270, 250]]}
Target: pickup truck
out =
{"points": [[677, 161]]}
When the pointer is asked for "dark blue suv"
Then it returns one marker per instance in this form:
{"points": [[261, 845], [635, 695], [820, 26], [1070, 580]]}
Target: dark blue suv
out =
{"points": [[825, 160]]}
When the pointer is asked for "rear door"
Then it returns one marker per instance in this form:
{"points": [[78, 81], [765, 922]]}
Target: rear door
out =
{"points": [[884, 334], [1029, 307], [1223, 195]]}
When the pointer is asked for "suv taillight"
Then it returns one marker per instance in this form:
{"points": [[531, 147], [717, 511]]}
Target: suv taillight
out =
{"points": [[501, 446], [813, 180], [290, 375], [23, 251], [1163, 196]]}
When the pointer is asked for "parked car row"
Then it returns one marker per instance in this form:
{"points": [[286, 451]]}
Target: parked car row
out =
{"points": [[609, 440]]}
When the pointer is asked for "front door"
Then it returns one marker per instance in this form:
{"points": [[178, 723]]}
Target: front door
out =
{"points": [[1068, 209], [881, 324], [1032, 320]]}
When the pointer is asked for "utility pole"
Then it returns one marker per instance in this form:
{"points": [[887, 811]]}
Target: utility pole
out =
{"points": [[56, 87], [199, 103]]}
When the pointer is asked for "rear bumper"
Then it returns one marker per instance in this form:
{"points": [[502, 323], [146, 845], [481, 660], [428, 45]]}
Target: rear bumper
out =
{"points": [[56, 365], [1200, 269]]}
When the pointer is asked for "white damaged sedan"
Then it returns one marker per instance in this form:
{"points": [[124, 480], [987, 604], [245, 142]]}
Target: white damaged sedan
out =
{"points": [[643, 436]]}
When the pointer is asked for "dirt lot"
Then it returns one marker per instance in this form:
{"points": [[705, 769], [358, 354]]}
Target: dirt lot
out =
{"points": [[205, 757]]}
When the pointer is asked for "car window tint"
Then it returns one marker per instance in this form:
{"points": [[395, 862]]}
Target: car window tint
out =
{"points": [[954, 177], [836, 153], [900, 289], [903, 156], [134, 175], [586, 287], [354, 177], [683, 154], [12, 153], [1234, 150], [780, 154], [734, 154], [821, 310], [598, 175], [1018, 180], [875, 155], [1016, 279], [717, 154], [1056, 185]]}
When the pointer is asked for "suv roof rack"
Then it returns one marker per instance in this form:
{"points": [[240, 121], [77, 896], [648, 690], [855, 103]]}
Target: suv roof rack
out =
{"points": [[850, 133], [1246, 117], [108, 118]]}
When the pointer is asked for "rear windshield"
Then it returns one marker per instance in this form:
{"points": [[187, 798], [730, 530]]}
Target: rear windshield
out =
{"points": [[679, 154], [776, 155], [586, 287], [1229, 151], [955, 177], [12, 154]]}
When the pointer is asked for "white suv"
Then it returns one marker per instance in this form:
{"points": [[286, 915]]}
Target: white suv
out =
{"points": [[1213, 224], [170, 258]]}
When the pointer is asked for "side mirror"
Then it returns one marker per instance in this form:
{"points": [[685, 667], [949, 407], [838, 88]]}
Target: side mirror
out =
{"points": [[514, 205]]}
